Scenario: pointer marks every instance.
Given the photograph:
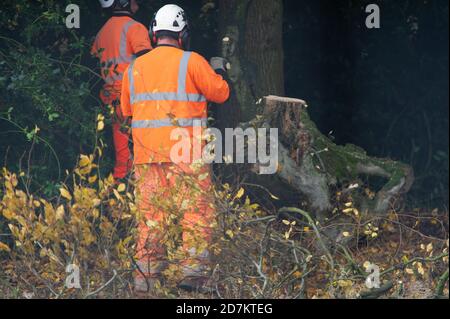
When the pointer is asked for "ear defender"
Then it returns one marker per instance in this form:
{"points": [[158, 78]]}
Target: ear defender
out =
{"points": [[124, 3], [151, 33], [184, 39], [154, 39]]}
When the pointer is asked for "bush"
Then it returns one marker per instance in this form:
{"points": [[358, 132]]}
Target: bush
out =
{"points": [[90, 225]]}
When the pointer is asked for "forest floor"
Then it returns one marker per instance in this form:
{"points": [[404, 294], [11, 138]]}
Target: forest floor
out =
{"points": [[411, 252]]}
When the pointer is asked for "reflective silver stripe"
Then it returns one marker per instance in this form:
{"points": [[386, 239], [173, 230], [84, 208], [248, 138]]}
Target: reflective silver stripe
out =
{"points": [[131, 81], [179, 96], [124, 58], [182, 72], [192, 122]]}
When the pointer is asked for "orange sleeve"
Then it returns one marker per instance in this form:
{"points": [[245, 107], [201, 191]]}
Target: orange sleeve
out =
{"points": [[207, 81], [125, 104], [139, 38]]}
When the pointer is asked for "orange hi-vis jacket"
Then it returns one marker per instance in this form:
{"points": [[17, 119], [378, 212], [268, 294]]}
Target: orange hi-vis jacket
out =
{"points": [[166, 89], [116, 45]]}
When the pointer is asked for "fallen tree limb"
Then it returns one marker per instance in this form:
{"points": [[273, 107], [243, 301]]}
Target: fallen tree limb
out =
{"points": [[376, 293]]}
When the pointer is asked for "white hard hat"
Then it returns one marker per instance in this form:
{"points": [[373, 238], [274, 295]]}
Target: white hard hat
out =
{"points": [[170, 18], [106, 3]]}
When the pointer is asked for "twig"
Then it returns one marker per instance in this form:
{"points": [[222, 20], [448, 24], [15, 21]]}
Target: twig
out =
{"points": [[403, 265], [313, 225], [102, 287], [44, 281]]}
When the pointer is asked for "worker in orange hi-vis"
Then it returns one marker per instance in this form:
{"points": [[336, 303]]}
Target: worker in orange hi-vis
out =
{"points": [[118, 43], [164, 91]]}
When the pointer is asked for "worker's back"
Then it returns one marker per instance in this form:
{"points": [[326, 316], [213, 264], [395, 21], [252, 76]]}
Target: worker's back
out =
{"points": [[116, 45], [166, 89]]}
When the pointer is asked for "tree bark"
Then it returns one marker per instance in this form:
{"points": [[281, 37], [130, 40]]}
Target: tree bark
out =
{"points": [[252, 41]]}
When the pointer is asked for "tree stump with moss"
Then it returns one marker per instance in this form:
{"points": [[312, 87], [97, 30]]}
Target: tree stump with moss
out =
{"points": [[317, 168]]}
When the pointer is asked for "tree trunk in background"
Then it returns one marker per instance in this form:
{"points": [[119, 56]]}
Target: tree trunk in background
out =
{"points": [[252, 40]]}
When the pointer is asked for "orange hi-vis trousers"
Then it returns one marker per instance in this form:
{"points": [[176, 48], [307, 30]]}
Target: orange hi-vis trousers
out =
{"points": [[173, 195], [124, 158]]}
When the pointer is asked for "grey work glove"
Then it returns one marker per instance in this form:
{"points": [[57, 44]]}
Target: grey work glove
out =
{"points": [[218, 63]]}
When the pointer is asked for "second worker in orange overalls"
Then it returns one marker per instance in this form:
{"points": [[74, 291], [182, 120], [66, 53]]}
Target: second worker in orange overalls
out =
{"points": [[118, 43]]}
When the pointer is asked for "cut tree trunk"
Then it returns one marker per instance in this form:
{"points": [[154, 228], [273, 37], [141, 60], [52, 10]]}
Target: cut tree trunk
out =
{"points": [[317, 169]]}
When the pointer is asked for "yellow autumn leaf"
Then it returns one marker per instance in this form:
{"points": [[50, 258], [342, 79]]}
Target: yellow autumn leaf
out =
{"points": [[60, 212], [230, 233], [65, 193], [346, 234], [420, 269], [96, 202], [8, 214], [100, 126], [95, 213], [121, 188], [92, 179], [286, 222], [116, 193], [240, 193], [274, 197], [4, 247], [287, 235], [100, 117], [429, 247], [84, 161]]}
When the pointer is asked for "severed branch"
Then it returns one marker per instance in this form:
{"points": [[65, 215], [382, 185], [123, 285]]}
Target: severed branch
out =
{"points": [[441, 285]]}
